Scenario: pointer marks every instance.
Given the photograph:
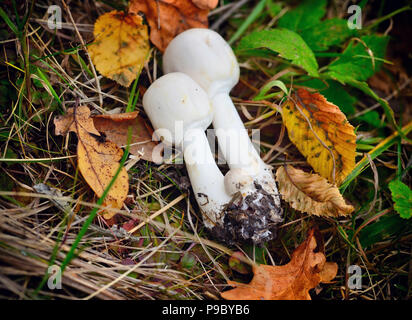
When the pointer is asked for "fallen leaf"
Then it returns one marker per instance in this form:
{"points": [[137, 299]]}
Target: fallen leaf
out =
{"points": [[322, 134], [289, 282], [116, 128], [97, 158], [311, 193], [121, 46], [168, 18], [205, 4], [329, 271]]}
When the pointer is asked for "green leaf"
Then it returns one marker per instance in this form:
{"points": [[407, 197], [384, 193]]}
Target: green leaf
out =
{"points": [[375, 152], [333, 92], [372, 118], [287, 43], [386, 227], [402, 197], [275, 83], [356, 62], [364, 87], [188, 261], [326, 33], [273, 8], [306, 15]]}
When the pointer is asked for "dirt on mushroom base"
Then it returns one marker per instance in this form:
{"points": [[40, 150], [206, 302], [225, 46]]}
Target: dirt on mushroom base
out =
{"points": [[249, 219]]}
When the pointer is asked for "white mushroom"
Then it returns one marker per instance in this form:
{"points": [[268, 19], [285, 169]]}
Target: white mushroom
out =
{"points": [[180, 112], [206, 57]]}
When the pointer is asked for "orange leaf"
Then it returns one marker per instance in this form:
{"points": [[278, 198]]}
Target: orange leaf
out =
{"points": [[205, 4], [322, 134], [329, 271], [289, 282], [121, 46], [97, 158], [116, 127], [168, 18], [311, 193]]}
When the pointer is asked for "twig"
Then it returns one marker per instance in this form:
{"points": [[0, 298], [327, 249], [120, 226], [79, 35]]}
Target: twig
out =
{"points": [[227, 15]]}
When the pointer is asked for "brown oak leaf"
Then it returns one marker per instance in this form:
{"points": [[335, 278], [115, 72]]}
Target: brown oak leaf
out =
{"points": [[311, 193], [116, 128], [288, 282], [168, 18], [98, 159], [205, 4]]}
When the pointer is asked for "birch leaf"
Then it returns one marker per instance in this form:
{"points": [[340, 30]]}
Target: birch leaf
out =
{"points": [[311, 193], [98, 159], [322, 134], [121, 46]]}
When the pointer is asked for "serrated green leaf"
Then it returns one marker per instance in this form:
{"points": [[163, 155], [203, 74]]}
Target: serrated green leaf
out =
{"points": [[306, 15], [356, 63], [402, 197], [287, 43], [326, 34]]}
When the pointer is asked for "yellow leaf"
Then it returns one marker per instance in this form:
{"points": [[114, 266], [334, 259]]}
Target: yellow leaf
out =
{"points": [[98, 159], [322, 134], [121, 46], [311, 193]]}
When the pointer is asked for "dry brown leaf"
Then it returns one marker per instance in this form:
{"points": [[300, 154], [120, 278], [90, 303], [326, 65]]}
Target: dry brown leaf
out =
{"points": [[289, 282], [205, 4], [329, 271], [329, 142], [168, 18], [121, 46], [97, 158], [116, 126], [311, 193]]}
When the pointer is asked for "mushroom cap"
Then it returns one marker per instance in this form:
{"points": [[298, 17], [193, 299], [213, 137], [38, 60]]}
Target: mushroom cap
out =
{"points": [[175, 103], [206, 57]]}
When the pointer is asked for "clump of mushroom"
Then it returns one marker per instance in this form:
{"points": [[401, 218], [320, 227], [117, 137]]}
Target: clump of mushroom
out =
{"points": [[206, 57], [180, 112]]}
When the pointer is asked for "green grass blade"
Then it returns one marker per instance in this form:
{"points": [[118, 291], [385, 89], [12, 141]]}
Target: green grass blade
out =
{"points": [[249, 20], [375, 152]]}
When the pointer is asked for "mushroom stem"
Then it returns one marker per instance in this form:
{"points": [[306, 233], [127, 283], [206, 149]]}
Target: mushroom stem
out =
{"points": [[208, 59], [180, 112], [233, 138], [206, 178]]}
